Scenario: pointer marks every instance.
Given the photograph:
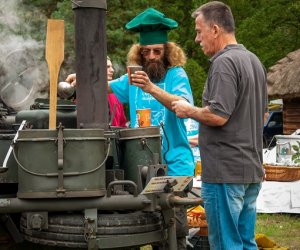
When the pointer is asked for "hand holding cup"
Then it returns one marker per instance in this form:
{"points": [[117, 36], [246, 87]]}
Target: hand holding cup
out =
{"points": [[131, 69]]}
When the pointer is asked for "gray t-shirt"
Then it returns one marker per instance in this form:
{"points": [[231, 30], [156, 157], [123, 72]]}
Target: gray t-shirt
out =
{"points": [[235, 89]]}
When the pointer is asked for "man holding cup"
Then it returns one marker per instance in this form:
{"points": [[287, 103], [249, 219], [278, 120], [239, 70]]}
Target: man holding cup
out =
{"points": [[162, 81]]}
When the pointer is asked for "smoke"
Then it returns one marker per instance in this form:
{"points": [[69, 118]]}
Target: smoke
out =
{"points": [[23, 70]]}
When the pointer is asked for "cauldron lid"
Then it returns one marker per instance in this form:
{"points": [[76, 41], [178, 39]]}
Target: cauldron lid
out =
{"points": [[134, 133], [20, 76]]}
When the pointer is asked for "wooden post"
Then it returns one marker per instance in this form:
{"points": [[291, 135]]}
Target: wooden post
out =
{"points": [[91, 66]]}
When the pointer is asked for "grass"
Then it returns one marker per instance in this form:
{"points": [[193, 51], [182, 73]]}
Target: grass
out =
{"points": [[284, 229]]}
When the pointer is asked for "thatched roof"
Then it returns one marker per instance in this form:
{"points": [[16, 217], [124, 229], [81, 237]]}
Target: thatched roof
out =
{"points": [[284, 77]]}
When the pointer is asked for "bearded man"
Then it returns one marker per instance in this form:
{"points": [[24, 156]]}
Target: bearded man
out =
{"points": [[162, 81]]}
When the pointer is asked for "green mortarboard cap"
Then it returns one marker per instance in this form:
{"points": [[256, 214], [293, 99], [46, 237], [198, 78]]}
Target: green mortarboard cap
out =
{"points": [[152, 25]]}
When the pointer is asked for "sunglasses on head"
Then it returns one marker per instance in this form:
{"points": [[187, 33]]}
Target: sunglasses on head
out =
{"points": [[156, 51]]}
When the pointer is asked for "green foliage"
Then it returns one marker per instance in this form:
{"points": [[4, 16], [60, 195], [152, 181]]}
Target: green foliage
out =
{"points": [[281, 228], [272, 31], [65, 12], [242, 9], [29, 21], [46, 6], [296, 155], [269, 28]]}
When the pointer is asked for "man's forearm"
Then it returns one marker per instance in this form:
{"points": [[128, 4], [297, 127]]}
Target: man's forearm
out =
{"points": [[205, 116]]}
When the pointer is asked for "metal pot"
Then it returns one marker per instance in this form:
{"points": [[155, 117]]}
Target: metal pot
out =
{"points": [[65, 90]]}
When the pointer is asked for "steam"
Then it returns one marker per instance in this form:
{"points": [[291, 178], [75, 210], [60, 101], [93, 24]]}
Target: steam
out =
{"points": [[23, 70]]}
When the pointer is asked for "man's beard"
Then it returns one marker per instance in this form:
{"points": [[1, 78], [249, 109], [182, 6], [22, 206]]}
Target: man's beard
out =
{"points": [[155, 69]]}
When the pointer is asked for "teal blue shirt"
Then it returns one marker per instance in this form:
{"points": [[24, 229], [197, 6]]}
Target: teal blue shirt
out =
{"points": [[176, 151]]}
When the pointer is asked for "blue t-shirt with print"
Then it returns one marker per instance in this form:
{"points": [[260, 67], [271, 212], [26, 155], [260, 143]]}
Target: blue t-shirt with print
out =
{"points": [[176, 151]]}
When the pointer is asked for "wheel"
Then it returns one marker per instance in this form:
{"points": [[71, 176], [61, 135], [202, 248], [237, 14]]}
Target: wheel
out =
{"points": [[67, 229]]}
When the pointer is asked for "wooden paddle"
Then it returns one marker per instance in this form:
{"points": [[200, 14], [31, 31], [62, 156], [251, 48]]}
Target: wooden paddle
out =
{"points": [[54, 57]]}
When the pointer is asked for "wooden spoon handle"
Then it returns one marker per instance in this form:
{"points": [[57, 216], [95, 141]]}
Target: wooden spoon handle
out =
{"points": [[54, 57]]}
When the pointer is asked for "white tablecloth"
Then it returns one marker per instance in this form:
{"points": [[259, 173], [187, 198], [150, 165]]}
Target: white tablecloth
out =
{"points": [[279, 197], [275, 197]]}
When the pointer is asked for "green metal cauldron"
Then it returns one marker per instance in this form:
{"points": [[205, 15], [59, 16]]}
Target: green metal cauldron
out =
{"points": [[61, 163], [140, 147]]}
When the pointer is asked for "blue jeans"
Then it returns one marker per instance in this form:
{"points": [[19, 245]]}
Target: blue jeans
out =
{"points": [[231, 215]]}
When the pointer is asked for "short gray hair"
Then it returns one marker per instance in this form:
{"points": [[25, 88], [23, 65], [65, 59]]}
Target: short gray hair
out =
{"points": [[216, 13]]}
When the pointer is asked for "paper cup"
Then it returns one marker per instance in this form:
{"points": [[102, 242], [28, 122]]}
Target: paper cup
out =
{"points": [[132, 70], [144, 117]]}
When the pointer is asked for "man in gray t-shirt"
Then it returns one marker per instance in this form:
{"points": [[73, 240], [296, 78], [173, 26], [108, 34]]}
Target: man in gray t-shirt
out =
{"points": [[232, 118], [235, 90]]}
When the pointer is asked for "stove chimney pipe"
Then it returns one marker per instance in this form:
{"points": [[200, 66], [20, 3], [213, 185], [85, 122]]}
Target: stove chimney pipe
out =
{"points": [[91, 66]]}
